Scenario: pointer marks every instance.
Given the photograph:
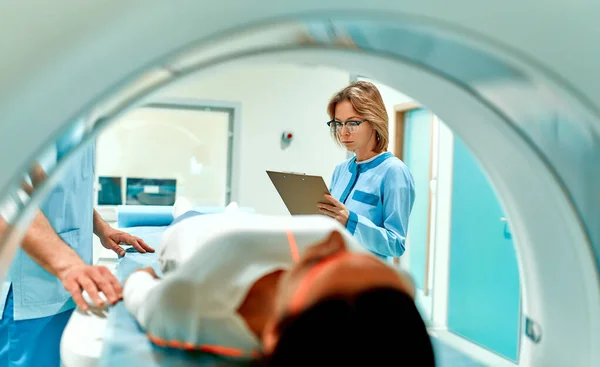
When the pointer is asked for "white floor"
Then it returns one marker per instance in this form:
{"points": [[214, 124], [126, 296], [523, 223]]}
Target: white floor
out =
{"points": [[473, 350]]}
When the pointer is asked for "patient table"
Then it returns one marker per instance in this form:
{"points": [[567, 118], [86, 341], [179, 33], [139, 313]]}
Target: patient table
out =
{"points": [[114, 338]]}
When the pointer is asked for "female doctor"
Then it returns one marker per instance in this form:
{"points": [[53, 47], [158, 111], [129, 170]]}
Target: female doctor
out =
{"points": [[372, 193]]}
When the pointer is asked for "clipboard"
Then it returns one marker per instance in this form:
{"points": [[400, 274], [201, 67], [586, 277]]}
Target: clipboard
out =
{"points": [[300, 192]]}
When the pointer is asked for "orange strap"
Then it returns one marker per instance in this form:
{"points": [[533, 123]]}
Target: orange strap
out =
{"points": [[206, 348], [298, 298], [293, 246]]}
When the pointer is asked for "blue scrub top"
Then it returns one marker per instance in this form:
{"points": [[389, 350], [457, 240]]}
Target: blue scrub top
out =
{"points": [[69, 209], [379, 193]]}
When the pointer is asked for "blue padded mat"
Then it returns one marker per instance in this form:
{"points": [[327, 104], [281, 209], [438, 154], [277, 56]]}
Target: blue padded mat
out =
{"points": [[126, 344], [132, 216]]}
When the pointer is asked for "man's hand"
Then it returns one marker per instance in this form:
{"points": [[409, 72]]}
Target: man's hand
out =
{"points": [[335, 210], [92, 279], [4, 227], [111, 239], [37, 175]]}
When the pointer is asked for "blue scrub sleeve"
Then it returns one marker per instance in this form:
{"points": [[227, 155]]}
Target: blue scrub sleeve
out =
{"points": [[398, 199], [334, 177]]}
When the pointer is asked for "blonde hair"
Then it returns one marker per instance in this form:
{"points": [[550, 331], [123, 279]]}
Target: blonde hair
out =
{"points": [[367, 101]]}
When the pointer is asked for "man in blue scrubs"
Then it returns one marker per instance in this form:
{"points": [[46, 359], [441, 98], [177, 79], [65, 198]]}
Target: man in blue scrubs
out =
{"points": [[53, 265]]}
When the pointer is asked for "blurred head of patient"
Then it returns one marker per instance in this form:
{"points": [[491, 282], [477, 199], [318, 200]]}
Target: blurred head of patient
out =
{"points": [[337, 307]]}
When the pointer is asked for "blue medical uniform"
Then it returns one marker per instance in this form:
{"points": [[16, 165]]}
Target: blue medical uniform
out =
{"points": [[35, 307], [379, 193]]}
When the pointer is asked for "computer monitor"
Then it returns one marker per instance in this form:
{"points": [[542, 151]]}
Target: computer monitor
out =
{"points": [[151, 191], [110, 190]]}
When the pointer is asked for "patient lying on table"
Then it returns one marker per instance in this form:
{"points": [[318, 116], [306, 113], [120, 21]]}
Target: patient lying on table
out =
{"points": [[276, 290]]}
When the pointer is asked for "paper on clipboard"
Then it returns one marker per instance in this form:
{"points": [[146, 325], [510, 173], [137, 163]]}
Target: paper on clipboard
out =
{"points": [[300, 192]]}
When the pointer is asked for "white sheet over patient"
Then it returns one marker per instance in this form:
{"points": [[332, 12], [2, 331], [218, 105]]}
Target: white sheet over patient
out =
{"points": [[210, 262]]}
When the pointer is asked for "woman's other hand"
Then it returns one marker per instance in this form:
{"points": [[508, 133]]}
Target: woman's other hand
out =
{"points": [[335, 210]]}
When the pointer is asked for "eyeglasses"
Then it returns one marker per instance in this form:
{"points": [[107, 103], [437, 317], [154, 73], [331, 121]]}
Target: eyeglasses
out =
{"points": [[351, 125]]}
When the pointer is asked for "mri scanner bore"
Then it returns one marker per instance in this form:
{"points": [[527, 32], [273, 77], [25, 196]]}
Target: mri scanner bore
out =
{"points": [[547, 199]]}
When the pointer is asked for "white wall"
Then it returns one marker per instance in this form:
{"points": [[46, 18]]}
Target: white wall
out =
{"points": [[274, 98], [190, 146], [443, 216]]}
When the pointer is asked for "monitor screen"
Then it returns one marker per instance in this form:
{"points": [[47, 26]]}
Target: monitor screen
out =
{"points": [[151, 191], [110, 191]]}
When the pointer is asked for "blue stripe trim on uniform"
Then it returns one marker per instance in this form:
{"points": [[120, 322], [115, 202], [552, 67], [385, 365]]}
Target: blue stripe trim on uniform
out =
{"points": [[354, 169], [352, 222], [365, 197], [375, 162]]}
